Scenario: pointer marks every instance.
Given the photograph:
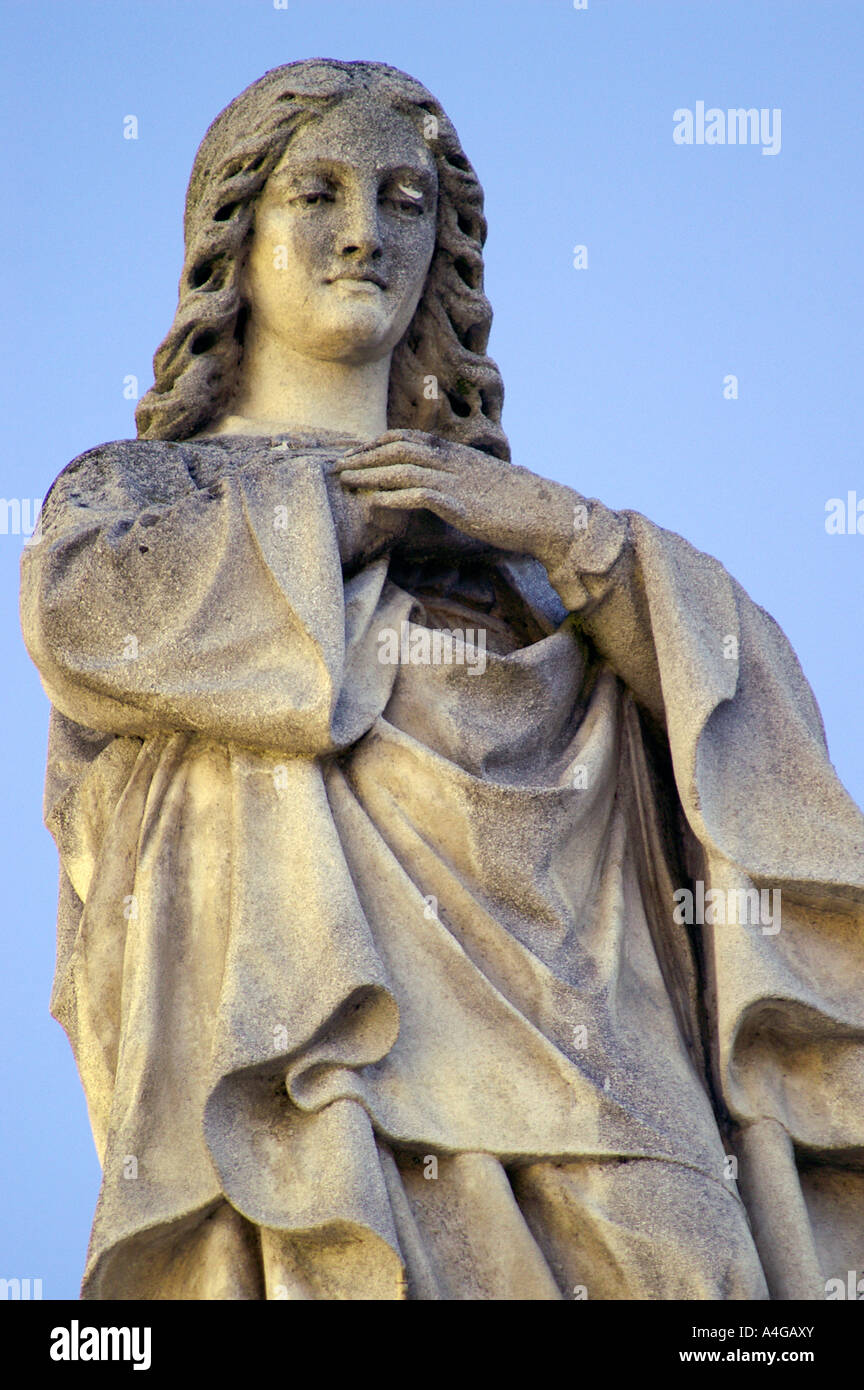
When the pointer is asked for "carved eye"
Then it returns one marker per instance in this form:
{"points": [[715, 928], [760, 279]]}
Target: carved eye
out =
{"points": [[411, 200], [313, 197]]}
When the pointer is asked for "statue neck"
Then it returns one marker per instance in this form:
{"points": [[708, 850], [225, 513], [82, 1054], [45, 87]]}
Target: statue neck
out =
{"points": [[281, 392]]}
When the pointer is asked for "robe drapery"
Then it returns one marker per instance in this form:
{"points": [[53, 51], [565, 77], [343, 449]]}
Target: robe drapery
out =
{"points": [[373, 970]]}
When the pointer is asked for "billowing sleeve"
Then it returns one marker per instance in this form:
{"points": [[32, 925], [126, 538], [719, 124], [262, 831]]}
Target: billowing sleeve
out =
{"points": [[155, 600], [777, 863], [743, 727]]}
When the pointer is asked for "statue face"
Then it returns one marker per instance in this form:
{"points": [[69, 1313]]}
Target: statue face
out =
{"points": [[344, 234]]}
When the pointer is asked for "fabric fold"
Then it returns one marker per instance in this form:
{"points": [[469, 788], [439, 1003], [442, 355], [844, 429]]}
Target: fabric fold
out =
{"points": [[324, 918]]}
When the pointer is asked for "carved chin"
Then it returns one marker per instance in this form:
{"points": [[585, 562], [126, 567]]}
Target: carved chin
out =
{"points": [[355, 329]]}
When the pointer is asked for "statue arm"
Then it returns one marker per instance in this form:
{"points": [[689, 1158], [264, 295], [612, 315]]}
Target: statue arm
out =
{"points": [[151, 603], [601, 583]]}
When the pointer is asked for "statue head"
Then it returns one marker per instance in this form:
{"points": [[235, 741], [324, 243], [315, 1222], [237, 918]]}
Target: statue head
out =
{"points": [[437, 325]]}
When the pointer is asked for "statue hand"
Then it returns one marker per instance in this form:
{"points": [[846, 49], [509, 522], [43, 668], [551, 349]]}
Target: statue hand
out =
{"points": [[492, 501], [363, 531]]}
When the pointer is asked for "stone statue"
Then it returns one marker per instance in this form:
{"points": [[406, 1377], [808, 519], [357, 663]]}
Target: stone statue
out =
{"points": [[456, 900]]}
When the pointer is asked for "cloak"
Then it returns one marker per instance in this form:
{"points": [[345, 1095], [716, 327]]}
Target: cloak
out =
{"points": [[375, 972]]}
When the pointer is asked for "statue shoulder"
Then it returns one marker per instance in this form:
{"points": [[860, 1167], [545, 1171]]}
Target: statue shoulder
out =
{"points": [[124, 471], [151, 471]]}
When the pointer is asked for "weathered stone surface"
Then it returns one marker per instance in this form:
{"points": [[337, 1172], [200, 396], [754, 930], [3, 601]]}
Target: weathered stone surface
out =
{"points": [[404, 798]]}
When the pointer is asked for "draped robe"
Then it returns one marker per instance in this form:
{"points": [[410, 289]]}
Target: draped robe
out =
{"points": [[371, 970]]}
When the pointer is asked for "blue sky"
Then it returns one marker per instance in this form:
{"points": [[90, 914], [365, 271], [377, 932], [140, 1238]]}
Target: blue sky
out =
{"points": [[703, 262]]}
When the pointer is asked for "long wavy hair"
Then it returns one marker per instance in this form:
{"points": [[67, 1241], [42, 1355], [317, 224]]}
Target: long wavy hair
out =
{"points": [[196, 367]]}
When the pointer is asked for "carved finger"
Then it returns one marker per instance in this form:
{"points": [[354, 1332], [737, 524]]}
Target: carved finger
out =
{"points": [[389, 476], [418, 436], [422, 499], [411, 499]]}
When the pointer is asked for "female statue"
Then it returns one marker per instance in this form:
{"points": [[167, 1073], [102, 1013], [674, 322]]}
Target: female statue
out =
{"points": [[375, 951]]}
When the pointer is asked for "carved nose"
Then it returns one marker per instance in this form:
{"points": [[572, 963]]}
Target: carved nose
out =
{"points": [[362, 237], [363, 247]]}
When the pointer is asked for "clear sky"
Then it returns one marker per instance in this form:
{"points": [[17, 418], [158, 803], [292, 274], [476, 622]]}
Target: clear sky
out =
{"points": [[703, 262]]}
